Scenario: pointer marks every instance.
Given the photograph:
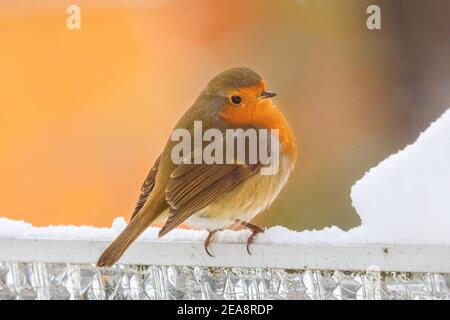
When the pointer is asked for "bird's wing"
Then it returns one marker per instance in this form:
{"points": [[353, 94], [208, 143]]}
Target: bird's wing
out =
{"points": [[193, 187], [146, 188]]}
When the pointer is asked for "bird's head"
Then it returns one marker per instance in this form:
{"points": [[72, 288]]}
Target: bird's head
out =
{"points": [[242, 98], [239, 98], [239, 88]]}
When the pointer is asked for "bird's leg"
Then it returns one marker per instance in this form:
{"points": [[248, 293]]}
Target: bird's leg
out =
{"points": [[255, 230], [208, 239]]}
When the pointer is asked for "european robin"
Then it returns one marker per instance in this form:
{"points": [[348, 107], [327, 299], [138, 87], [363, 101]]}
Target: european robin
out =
{"points": [[214, 196]]}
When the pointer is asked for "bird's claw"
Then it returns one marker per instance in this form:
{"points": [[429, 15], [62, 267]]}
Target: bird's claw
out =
{"points": [[207, 251], [250, 239], [207, 241]]}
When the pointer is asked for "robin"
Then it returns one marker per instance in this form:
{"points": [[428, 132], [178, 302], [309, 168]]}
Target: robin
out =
{"points": [[214, 196]]}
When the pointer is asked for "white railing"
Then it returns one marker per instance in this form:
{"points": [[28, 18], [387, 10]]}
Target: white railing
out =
{"points": [[383, 257], [50, 268]]}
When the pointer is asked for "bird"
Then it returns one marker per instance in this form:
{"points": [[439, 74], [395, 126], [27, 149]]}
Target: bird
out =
{"points": [[214, 196]]}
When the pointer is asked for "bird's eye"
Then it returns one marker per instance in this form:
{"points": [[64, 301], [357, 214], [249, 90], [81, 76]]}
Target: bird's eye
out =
{"points": [[236, 99]]}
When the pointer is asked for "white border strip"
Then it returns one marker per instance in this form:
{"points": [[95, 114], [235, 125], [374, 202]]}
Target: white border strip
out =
{"points": [[407, 258]]}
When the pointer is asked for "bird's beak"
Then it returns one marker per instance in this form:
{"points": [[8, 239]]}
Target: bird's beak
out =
{"points": [[267, 94]]}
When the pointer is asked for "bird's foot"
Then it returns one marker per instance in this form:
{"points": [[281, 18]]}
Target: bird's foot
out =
{"points": [[208, 239], [255, 231]]}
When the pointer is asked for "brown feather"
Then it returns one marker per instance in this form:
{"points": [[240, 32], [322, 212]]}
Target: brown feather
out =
{"points": [[132, 231], [146, 188], [192, 195], [180, 190]]}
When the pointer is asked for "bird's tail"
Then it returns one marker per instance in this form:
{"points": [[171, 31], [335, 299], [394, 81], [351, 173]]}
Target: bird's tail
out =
{"points": [[116, 249]]}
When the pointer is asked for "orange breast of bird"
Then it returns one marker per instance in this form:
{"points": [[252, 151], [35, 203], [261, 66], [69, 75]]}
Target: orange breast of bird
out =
{"points": [[262, 114]]}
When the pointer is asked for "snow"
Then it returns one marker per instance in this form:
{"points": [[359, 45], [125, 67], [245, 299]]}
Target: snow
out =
{"points": [[406, 198], [403, 200], [23, 230]]}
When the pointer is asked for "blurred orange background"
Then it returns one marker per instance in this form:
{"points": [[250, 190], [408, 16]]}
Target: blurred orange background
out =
{"points": [[84, 113]]}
